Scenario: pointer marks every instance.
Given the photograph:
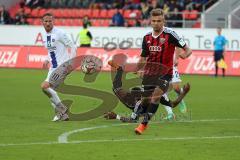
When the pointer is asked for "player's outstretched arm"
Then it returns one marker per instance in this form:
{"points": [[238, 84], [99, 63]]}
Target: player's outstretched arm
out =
{"points": [[140, 64], [186, 53]]}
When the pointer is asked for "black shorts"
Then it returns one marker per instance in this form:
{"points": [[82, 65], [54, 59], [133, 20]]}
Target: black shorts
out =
{"points": [[151, 82], [218, 55]]}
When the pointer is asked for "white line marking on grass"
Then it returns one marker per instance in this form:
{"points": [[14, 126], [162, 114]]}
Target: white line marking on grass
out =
{"points": [[63, 138], [29, 144], [121, 140]]}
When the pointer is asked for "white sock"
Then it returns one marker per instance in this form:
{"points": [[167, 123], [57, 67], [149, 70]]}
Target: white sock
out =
{"points": [[165, 95], [181, 90], [168, 109], [54, 97], [54, 106], [118, 117]]}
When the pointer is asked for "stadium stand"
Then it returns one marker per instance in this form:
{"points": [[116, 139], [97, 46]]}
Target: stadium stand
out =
{"points": [[100, 12]]}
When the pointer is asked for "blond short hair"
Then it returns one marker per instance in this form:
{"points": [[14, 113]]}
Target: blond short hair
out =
{"points": [[157, 12]]}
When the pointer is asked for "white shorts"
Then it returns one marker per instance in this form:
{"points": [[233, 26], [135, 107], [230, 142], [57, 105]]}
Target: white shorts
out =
{"points": [[50, 71], [56, 76], [176, 76]]}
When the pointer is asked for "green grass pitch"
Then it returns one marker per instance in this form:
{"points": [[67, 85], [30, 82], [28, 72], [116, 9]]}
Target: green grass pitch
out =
{"points": [[210, 131]]}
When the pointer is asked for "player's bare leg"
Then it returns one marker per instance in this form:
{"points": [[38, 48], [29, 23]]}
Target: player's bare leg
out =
{"points": [[179, 90], [185, 90], [60, 109]]}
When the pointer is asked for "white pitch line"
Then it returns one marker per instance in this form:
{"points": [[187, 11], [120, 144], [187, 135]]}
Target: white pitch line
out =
{"points": [[63, 138], [152, 139], [121, 140]]}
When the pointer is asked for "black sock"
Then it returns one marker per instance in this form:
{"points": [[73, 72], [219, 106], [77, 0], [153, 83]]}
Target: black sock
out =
{"points": [[117, 82], [151, 110], [165, 102], [216, 72], [223, 71]]}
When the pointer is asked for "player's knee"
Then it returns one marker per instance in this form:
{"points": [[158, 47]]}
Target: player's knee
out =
{"points": [[156, 98], [177, 90], [45, 85]]}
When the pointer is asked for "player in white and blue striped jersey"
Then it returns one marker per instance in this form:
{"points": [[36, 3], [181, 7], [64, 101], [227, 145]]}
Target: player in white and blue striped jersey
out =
{"points": [[60, 50]]}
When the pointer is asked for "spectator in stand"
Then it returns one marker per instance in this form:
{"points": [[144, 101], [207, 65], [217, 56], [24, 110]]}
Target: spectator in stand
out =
{"points": [[22, 3], [137, 22], [20, 17], [145, 10], [161, 3], [132, 4], [82, 3], [62, 3], [70, 4], [186, 13], [175, 19], [166, 9], [107, 4], [117, 19], [54, 4], [47, 4], [4, 15], [118, 4], [34, 3], [197, 4], [155, 4], [181, 5], [86, 21], [172, 4]]}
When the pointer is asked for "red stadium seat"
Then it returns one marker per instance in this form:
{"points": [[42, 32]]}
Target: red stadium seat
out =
{"points": [[193, 15], [77, 22], [126, 13], [57, 13], [103, 13], [67, 22], [35, 13], [111, 12], [30, 21], [87, 12], [96, 22], [186, 14], [197, 25], [58, 22], [95, 13], [131, 13], [105, 22], [67, 13], [131, 23], [37, 21], [74, 13], [42, 12], [79, 13], [27, 10], [100, 22]]}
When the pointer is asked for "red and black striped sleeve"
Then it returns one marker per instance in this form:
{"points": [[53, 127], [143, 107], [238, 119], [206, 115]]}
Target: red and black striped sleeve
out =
{"points": [[145, 51], [177, 40]]}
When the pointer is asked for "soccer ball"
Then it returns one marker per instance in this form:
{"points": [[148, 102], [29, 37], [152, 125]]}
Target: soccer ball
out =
{"points": [[88, 66]]}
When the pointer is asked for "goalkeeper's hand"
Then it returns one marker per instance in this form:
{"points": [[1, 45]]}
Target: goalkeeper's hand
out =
{"points": [[110, 115]]}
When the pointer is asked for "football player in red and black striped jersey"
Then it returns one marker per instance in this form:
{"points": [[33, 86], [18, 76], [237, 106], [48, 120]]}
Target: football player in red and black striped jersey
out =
{"points": [[158, 48]]}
